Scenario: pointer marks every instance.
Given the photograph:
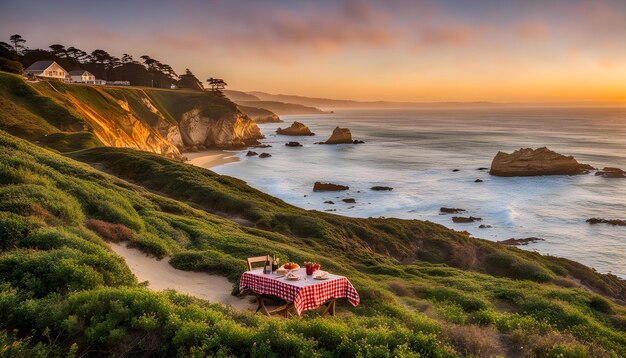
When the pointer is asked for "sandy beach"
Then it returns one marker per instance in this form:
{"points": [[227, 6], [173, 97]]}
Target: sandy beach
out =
{"points": [[162, 276], [210, 158]]}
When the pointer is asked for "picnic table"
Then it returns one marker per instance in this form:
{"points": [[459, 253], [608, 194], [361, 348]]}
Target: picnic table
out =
{"points": [[304, 294]]}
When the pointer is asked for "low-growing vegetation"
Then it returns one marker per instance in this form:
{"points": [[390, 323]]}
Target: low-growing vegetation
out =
{"points": [[425, 290]]}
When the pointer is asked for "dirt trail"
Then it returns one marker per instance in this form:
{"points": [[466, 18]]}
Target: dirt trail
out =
{"points": [[161, 276]]}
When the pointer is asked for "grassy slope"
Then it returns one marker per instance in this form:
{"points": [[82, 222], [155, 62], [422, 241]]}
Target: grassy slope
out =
{"points": [[60, 285], [405, 241]]}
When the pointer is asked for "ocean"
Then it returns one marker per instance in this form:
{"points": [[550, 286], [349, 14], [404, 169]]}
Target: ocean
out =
{"points": [[415, 152]]}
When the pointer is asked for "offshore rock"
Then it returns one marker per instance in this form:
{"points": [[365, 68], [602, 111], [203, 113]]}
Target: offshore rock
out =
{"points": [[535, 162]]}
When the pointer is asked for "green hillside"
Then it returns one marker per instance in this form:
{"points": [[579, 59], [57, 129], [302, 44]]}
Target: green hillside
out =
{"points": [[133, 117], [425, 290]]}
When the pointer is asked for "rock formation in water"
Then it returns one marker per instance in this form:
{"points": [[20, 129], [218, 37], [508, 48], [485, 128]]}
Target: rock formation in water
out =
{"points": [[265, 155], [463, 219], [293, 144], [296, 129], [451, 210], [610, 172], [319, 186], [381, 188], [341, 136], [518, 242], [349, 200], [535, 162], [614, 222], [251, 153]]}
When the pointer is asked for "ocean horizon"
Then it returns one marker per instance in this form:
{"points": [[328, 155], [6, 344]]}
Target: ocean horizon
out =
{"points": [[431, 157]]}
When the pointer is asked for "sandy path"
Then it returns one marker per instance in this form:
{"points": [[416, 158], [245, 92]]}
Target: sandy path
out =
{"points": [[210, 158], [161, 276]]}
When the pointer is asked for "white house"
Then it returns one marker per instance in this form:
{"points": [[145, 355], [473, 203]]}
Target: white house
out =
{"points": [[46, 69], [82, 76]]}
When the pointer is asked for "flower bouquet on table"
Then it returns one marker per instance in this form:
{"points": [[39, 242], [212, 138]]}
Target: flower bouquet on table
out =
{"points": [[311, 267]]}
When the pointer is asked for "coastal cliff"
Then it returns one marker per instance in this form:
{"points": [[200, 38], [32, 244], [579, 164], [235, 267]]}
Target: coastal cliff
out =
{"points": [[166, 122]]}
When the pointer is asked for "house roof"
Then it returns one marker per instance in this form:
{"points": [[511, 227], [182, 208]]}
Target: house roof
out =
{"points": [[80, 73], [40, 65]]}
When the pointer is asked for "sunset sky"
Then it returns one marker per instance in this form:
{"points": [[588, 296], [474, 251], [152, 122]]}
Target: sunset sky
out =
{"points": [[538, 51]]}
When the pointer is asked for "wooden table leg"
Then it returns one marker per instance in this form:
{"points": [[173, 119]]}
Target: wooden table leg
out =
{"points": [[268, 312], [330, 307]]}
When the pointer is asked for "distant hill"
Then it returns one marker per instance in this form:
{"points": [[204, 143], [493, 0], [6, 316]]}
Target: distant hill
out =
{"points": [[266, 111], [327, 103], [240, 96], [260, 115], [279, 107]]}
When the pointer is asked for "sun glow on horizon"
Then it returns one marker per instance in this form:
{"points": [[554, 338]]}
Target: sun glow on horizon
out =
{"points": [[562, 51]]}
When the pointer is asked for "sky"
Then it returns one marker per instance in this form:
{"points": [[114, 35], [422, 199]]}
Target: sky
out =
{"points": [[479, 50]]}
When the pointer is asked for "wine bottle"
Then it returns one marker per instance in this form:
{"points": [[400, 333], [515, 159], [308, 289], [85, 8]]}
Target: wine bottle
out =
{"points": [[274, 264], [268, 266]]}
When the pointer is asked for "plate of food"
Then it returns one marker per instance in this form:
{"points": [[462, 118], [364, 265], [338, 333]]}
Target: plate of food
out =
{"points": [[292, 277], [320, 275], [291, 266], [282, 271]]}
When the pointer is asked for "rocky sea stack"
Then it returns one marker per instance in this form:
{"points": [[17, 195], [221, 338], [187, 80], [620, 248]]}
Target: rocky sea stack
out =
{"points": [[296, 129], [535, 162], [319, 186], [342, 136]]}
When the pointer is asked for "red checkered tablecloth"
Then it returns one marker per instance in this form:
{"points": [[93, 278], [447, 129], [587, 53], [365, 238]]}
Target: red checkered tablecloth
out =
{"points": [[306, 294]]}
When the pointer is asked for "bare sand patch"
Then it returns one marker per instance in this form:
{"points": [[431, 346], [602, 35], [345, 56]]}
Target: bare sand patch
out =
{"points": [[210, 158], [162, 276]]}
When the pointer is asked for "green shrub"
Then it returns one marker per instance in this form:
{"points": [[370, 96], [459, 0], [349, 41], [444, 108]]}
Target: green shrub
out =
{"points": [[13, 229], [600, 304], [210, 261], [510, 265], [41, 201], [469, 302], [44, 272]]}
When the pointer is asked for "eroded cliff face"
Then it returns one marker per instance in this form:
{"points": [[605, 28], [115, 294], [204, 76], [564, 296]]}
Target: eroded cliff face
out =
{"points": [[124, 129], [160, 121], [231, 130]]}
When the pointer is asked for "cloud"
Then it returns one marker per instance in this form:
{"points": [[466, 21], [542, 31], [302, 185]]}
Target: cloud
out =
{"points": [[320, 30], [447, 36], [532, 30]]}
